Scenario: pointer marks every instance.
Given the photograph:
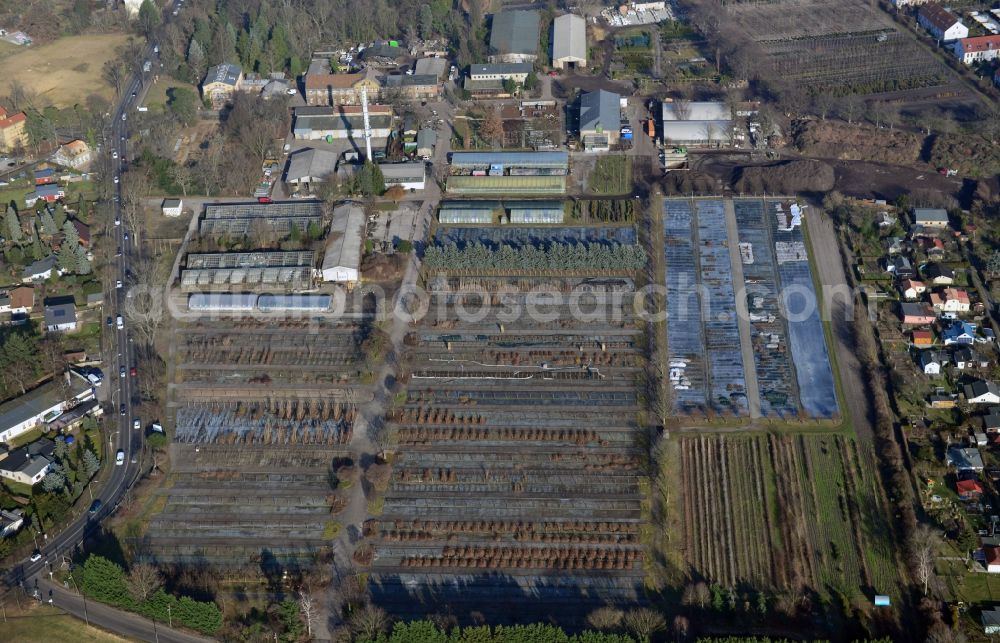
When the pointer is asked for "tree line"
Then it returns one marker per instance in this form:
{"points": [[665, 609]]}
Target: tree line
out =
{"points": [[550, 257]]}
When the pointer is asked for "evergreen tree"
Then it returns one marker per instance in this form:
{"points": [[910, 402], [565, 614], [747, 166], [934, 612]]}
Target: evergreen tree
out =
{"points": [[67, 258], [70, 235], [196, 56], [37, 252], [12, 227], [426, 21], [83, 266], [49, 226], [54, 480], [60, 449], [90, 464], [149, 17]]}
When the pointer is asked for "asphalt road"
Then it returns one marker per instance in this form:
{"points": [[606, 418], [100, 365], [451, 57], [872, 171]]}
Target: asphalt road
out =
{"points": [[33, 576]]}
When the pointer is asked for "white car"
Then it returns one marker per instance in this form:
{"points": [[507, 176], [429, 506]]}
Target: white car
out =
{"points": [[120, 457], [114, 155], [118, 221], [36, 556], [118, 284], [135, 424], [116, 180], [124, 116], [291, 92]]}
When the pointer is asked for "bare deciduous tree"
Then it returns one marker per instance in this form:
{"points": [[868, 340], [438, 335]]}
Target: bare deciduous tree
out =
{"points": [[143, 580], [605, 618], [308, 609], [368, 622], [644, 623], [924, 545]]}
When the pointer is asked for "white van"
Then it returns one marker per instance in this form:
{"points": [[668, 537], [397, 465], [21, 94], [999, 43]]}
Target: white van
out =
{"points": [[120, 322]]}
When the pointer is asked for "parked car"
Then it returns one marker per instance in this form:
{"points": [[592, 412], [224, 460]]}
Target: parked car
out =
{"points": [[35, 556], [96, 506]]}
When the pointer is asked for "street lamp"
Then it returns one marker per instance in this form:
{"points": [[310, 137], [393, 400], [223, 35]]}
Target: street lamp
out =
{"points": [[86, 616]]}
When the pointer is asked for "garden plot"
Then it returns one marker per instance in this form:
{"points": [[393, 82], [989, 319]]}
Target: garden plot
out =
{"points": [[537, 236], [814, 375], [234, 506], [516, 487], [772, 354], [807, 509]]}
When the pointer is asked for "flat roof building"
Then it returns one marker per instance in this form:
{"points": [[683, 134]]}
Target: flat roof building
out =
{"points": [[569, 41], [342, 261], [342, 122], [697, 124], [535, 160], [229, 271]]}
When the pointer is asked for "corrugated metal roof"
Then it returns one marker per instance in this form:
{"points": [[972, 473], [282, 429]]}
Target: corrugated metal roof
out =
{"points": [[515, 32], [600, 111], [310, 163], [406, 172], [293, 302], [531, 184], [222, 301], [344, 248], [569, 38], [696, 111], [515, 159]]}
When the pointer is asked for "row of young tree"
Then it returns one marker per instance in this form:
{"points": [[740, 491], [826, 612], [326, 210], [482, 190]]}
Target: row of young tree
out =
{"points": [[550, 257], [141, 590], [429, 632]]}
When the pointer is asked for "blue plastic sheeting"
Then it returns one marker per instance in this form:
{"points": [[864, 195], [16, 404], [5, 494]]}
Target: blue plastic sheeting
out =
{"points": [[817, 391], [768, 333], [685, 341], [722, 335], [514, 236]]}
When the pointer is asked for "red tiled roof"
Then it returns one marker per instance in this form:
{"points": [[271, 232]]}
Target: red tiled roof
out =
{"points": [[964, 487], [980, 43], [6, 121], [23, 297], [938, 16]]}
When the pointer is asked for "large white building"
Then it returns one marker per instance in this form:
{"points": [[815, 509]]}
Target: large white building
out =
{"points": [[342, 261], [409, 176], [697, 124], [43, 404], [569, 41]]}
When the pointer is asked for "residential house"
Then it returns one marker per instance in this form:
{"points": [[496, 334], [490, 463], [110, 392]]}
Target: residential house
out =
{"points": [[28, 464], [894, 245], [969, 489], [916, 314], [959, 332], [60, 317], [991, 558], [982, 392], [4, 303], [13, 131], [48, 192], [930, 217], [991, 421], [22, 300], [310, 167], [931, 362], [600, 120], [938, 274], [941, 400], [934, 248], [39, 270], [922, 339], [49, 400], [75, 154], [912, 289], [942, 24], [426, 140], [221, 83], [487, 81], [44, 176], [964, 459], [965, 358], [569, 42], [343, 122], [900, 267], [341, 89], [514, 37], [10, 522], [990, 618], [952, 300], [412, 87], [409, 176], [977, 49]]}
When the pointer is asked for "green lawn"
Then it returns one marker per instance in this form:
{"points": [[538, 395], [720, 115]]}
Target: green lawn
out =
{"points": [[612, 175], [157, 96], [44, 623]]}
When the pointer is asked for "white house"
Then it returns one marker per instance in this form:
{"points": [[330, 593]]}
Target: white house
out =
{"points": [[27, 464], [952, 300], [342, 261], [44, 403], [410, 176], [931, 362], [172, 207], [60, 317], [941, 23], [978, 49], [982, 392], [912, 289], [39, 270]]}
